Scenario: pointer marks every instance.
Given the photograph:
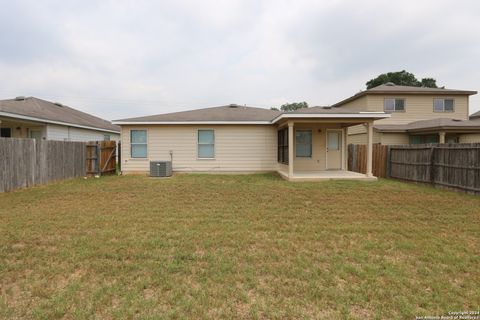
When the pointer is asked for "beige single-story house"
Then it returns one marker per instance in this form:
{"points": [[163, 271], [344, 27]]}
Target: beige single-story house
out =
{"points": [[418, 115], [307, 144], [30, 117]]}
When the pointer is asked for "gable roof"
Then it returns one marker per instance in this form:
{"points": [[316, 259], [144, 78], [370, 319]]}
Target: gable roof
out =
{"points": [[391, 88], [230, 112], [235, 114], [431, 124], [35, 109]]}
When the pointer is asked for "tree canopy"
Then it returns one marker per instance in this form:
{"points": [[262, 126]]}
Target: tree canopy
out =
{"points": [[288, 107], [401, 78]]}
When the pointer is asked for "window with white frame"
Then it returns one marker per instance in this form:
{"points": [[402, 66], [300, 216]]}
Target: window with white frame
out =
{"points": [[282, 151], [138, 143], [206, 144], [303, 143], [394, 105], [443, 105]]}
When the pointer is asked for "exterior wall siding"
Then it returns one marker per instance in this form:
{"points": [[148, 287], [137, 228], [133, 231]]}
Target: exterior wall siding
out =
{"points": [[318, 159], [394, 138], [359, 104], [469, 138], [418, 107], [64, 133], [361, 138], [247, 148], [21, 129]]}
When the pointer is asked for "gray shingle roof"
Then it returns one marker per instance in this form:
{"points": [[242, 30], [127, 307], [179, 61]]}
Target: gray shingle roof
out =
{"points": [[384, 88], [323, 110], [438, 123], [394, 89], [49, 111], [231, 113]]}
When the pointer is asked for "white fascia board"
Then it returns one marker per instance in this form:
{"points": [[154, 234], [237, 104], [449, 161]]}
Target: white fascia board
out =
{"points": [[19, 116], [188, 122], [363, 115]]}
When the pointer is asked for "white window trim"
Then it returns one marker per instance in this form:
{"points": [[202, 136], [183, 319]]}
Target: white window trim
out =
{"points": [[395, 105], [443, 109], [311, 143], [214, 143], [146, 143]]}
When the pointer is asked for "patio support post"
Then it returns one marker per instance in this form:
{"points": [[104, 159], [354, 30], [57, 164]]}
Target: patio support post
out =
{"points": [[441, 136], [369, 148], [290, 149], [345, 149]]}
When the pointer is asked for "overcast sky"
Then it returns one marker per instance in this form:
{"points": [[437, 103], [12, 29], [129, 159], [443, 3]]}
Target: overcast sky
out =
{"points": [[118, 59]]}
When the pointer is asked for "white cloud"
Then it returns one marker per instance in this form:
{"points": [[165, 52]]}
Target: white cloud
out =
{"points": [[127, 58]]}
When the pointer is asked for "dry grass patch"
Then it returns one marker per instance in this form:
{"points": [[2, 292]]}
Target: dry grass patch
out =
{"points": [[255, 246]]}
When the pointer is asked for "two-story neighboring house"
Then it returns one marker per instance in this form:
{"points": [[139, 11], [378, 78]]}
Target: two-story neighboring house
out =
{"points": [[418, 115]]}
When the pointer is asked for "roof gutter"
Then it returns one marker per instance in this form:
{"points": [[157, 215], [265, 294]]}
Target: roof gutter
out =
{"points": [[362, 115], [120, 122], [19, 116]]}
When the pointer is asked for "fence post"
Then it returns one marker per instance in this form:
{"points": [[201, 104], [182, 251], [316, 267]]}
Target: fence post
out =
{"points": [[119, 158], [388, 166], [97, 161], [432, 165]]}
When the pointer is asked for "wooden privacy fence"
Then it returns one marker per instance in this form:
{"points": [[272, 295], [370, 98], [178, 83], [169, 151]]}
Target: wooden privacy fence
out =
{"points": [[357, 159], [446, 165], [454, 166], [101, 157], [28, 162]]}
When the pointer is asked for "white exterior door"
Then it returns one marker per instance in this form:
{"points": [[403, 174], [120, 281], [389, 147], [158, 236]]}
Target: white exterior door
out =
{"points": [[334, 149]]}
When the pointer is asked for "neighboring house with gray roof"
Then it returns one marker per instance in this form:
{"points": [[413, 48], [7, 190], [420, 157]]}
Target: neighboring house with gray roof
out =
{"points": [[30, 117], [307, 144], [418, 115], [475, 116]]}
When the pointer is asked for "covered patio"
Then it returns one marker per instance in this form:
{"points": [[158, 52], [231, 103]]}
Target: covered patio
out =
{"points": [[326, 175], [312, 144]]}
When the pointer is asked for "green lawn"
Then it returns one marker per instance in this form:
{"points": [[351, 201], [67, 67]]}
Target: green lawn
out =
{"points": [[253, 246]]}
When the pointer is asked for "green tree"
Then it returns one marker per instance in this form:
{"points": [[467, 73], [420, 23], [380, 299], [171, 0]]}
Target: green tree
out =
{"points": [[288, 107], [429, 83], [401, 78]]}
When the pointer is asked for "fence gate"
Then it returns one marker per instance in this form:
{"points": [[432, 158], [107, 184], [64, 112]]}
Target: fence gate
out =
{"points": [[357, 159], [101, 157]]}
